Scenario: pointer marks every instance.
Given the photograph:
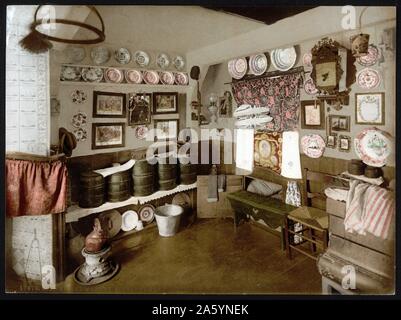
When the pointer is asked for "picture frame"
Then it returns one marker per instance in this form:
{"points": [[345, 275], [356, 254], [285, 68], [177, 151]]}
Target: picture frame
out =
{"points": [[312, 115], [139, 109], [226, 105], [166, 129], [339, 123], [344, 143], [331, 141], [109, 104], [370, 108], [165, 102], [108, 135]]}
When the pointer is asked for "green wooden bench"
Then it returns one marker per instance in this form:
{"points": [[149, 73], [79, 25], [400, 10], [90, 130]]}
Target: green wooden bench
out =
{"points": [[270, 210]]}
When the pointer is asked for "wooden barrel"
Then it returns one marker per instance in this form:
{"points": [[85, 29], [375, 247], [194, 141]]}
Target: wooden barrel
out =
{"points": [[167, 184], [91, 189], [167, 171], [187, 171], [118, 186], [143, 175], [188, 178]]}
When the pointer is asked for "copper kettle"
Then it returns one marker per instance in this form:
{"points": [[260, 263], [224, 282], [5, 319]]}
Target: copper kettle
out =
{"points": [[95, 240]]}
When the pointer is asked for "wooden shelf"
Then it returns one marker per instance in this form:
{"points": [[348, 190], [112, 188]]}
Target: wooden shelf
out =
{"points": [[74, 213]]}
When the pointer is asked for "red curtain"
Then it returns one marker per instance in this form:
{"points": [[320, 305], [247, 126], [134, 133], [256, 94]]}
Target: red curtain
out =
{"points": [[280, 94], [35, 188]]}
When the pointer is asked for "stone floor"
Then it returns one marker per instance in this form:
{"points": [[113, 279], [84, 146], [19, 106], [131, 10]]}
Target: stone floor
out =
{"points": [[205, 258]]}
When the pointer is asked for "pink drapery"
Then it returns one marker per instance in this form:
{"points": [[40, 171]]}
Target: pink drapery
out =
{"points": [[280, 94], [35, 188]]}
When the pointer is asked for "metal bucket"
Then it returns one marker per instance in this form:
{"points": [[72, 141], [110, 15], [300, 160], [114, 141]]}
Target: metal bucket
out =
{"points": [[168, 219]]}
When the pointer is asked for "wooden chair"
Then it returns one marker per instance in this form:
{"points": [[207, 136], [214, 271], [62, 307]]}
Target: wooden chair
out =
{"points": [[314, 221]]}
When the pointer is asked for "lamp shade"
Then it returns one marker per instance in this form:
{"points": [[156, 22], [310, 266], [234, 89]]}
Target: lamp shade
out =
{"points": [[291, 161]]}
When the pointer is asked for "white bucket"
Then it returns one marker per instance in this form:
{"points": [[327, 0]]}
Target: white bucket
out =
{"points": [[168, 219]]}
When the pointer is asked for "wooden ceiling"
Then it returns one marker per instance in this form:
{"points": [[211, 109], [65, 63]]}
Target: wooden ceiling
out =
{"points": [[265, 14]]}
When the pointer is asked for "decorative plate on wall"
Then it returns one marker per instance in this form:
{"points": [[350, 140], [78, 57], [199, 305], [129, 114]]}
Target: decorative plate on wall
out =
{"points": [[371, 58], [237, 68], [100, 55], [80, 134], [141, 132], [75, 54], [179, 62], [368, 78], [309, 87], [70, 73], [141, 58], [283, 59], [147, 213], [313, 145], [151, 77], [163, 61], [113, 75], [111, 222], [79, 96], [373, 146], [181, 78], [122, 55], [92, 74], [167, 77], [133, 76], [182, 199], [129, 220], [258, 64]]}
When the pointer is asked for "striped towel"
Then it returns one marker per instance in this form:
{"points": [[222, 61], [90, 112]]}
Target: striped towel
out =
{"points": [[369, 208]]}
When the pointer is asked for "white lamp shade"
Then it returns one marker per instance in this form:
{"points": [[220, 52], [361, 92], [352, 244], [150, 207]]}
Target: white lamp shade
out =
{"points": [[290, 160], [244, 151]]}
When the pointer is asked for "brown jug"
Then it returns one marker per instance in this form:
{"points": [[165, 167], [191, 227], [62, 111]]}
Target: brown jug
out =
{"points": [[95, 240]]}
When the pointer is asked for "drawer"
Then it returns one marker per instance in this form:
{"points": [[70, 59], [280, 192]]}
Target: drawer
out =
{"points": [[335, 207], [336, 227], [367, 258]]}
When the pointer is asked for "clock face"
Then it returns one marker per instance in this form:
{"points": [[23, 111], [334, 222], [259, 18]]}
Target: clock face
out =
{"points": [[326, 74]]}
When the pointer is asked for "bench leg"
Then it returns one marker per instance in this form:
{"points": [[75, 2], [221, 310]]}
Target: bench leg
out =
{"points": [[287, 239]]}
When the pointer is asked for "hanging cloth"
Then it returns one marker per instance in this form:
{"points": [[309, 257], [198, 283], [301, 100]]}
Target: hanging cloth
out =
{"points": [[35, 187]]}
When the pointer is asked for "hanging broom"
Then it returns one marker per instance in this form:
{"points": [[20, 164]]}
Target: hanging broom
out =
{"points": [[35, 42]]}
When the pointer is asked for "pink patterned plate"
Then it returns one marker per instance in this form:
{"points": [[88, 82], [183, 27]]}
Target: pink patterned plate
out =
{"points": [[133, 76], [167, 77], [373, 146], [237, 68], [368, 78], [147, 213], [307, 60], [113, 75], [181, 78], [151, 77], [141, 131], [313, 145], [371, 58], [309, 87]]}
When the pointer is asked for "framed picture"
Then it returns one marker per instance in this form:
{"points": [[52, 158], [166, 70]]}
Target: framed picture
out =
{"points": [[109, 104], [312, 114], [369, 108], [344, 143], [165, 102], [139, 109], [108, 135], [331, 141], [226, 105], [339, 123], [166, 129]]}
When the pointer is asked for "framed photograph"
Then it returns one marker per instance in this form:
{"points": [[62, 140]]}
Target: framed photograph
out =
{"points": [[331, 141], [166, 129], [165, 102], [312, 114], [109, 104], [108, 135], [369, 108], [139, 109], [226, 105], [344, 143], [339, 123]]}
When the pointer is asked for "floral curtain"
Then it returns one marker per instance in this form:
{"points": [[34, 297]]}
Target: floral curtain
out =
{"points": [[280, 94], [35, 188]]}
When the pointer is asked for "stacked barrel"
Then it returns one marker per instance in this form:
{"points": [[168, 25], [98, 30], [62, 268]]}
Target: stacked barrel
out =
{"points": [[119, 186], [143, 175], [92, 189], [187, 171]]}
